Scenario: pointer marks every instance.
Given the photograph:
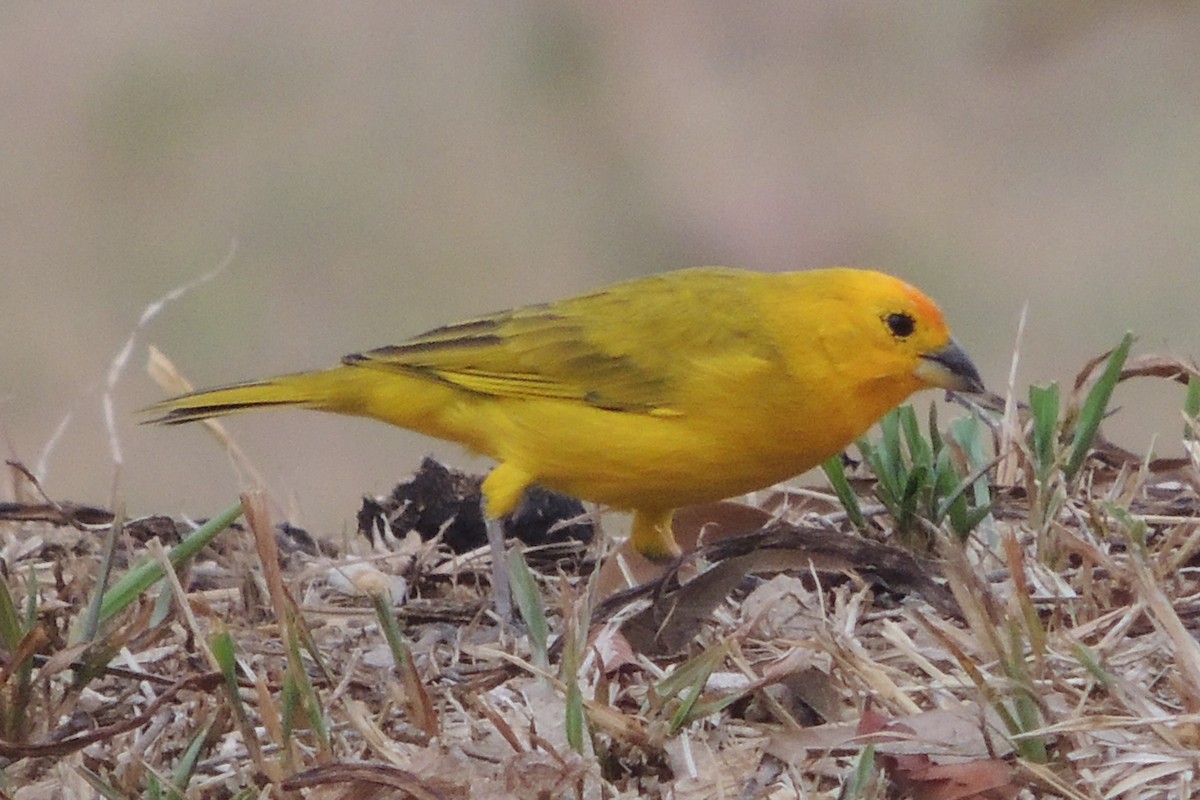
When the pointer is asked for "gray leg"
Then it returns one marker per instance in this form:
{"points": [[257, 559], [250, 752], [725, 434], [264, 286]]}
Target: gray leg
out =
{"points": [[501, 588]]}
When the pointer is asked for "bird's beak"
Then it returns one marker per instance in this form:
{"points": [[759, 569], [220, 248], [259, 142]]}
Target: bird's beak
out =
{"points": [[949, 368]]}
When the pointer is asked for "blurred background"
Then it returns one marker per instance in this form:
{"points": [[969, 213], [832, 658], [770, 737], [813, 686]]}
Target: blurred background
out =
{"points": [[386, 167]]}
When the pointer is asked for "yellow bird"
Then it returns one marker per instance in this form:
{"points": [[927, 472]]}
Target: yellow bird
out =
{"points": [[665, 391]]}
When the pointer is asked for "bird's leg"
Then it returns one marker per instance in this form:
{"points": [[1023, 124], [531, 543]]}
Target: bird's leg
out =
{"points": [[501, 586], [652, 535], [503, 491]]}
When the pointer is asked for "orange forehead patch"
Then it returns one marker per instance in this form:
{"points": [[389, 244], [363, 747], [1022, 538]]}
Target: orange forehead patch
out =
{"points": [[923, 306]]}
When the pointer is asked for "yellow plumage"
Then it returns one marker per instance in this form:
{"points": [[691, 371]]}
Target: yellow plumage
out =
{"points": [[674, 389]]}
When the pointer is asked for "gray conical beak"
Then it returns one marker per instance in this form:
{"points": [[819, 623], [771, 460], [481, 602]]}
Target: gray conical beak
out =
{"points": [[949, 368]]}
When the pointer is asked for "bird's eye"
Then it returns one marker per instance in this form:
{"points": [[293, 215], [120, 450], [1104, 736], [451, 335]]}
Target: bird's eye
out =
{"points": [[900, 324]]}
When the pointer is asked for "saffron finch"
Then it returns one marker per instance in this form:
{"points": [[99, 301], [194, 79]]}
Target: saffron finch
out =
{"points": [[665, 391]]}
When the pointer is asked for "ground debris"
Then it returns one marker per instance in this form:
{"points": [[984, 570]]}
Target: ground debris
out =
{"points": [[761, 666], [439, 501]]}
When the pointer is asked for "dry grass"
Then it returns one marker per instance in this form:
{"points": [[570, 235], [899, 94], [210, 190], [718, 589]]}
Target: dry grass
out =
{"points": [[1052, 653]]}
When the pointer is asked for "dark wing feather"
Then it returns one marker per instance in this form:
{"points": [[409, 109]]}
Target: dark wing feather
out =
{"points": [[624, 348]]}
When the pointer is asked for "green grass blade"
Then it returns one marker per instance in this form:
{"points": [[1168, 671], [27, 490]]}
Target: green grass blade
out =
{"points": [[687, 682], [289, 705], [182, 775], [92, 616], [1095, 405], [420, 707], [397, 644], [891, 458], [949, 500], [11, 628], [309, 700], [863, 782], [1088, 659], [101, 786], [575, 721], [888, 470], [884, 489], [915, 488], [574, 717], [1191, 407], [835, 473], [14, 708], [969, 433], [889, 428], [529, 603], [919, 449], [1044, 406], [223, 650], [935, 432], [32, 598], [127, 590]]}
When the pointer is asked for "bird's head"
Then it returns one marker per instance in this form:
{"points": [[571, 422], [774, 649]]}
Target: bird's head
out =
{"points": [[887, 337]]}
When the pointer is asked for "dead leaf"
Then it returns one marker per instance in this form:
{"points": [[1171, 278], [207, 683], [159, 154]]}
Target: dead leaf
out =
{"points": [[677, 609]]}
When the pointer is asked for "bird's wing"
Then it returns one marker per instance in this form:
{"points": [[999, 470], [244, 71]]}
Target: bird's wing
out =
{"points": [[626, 348]]}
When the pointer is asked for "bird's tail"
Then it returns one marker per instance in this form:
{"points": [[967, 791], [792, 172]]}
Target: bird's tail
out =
{"points": [[302, 390], [426, 406]]}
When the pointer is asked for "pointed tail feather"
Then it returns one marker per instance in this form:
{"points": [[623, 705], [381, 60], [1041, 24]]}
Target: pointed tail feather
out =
{"points": [[409, 401], [288, 390]]}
